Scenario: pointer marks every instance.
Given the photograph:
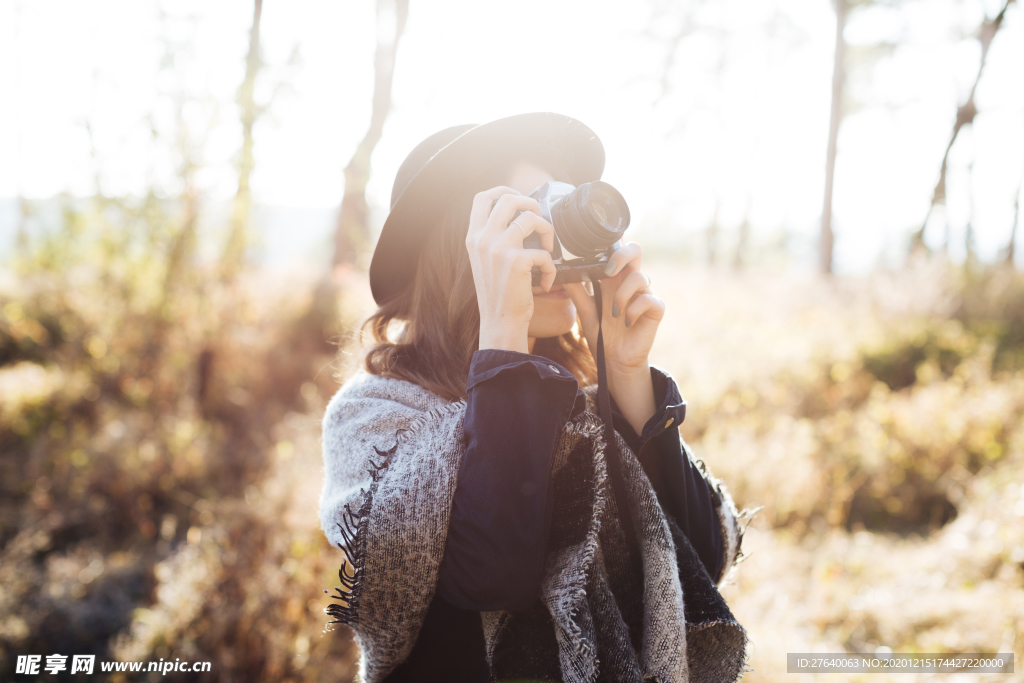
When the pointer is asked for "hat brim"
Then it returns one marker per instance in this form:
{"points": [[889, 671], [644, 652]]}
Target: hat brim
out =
{"points": [[544, 137]]}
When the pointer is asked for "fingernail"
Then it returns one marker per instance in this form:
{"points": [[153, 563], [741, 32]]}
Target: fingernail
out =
{"points": [[615, 310], [610, 268], [627, 322]]}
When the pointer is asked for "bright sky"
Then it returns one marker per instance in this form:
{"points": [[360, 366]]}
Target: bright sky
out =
{"points": [[743, 126]]}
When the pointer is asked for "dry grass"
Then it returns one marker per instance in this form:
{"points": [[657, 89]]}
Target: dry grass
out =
{"points": [[845, 556], [159, 457]]}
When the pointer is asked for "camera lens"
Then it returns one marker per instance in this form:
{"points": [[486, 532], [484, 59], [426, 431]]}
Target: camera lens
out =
{"points": [[590, 219]]}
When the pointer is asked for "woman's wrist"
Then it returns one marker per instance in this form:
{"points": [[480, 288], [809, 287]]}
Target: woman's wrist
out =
{"points": [[633, 391], [503, 338]]}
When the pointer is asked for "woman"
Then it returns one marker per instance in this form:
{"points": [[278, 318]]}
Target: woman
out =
{"points": [[493, 527]]}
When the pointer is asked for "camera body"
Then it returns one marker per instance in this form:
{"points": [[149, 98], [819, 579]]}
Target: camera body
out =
{"points": [[589, 221]]}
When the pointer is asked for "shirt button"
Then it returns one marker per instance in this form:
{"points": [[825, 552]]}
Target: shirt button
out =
{"points": [[668, 422], [552, 368]]}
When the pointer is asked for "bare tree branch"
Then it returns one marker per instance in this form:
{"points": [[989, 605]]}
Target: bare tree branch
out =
{"points": [[235, 248], [352, 232], [827, 239], [965, 114]]}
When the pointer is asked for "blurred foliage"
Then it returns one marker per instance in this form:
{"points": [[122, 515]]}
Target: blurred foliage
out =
{"points": [[887, 455], [885, 440], [145, 452], [992, 306], [159, 455]]}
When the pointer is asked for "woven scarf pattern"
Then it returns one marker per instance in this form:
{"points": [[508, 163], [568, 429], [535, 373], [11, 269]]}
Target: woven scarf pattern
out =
{"points": [[392, 452]]}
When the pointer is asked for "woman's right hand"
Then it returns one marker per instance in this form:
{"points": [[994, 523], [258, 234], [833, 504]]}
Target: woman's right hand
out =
{"points": [[502, 267]]}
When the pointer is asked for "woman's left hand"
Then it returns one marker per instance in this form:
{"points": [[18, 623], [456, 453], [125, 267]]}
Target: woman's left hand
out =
{"points": [[631, 312], [630, 318]]}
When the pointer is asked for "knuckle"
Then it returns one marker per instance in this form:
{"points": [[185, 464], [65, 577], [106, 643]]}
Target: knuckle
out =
{"points": [[631, 251]]}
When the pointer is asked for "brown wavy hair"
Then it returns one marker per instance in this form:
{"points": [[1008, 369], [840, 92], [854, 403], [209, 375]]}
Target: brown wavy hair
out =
{"points": [[428, 334]]}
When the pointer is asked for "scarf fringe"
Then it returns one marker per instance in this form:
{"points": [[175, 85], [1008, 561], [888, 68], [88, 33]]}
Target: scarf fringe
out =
{"points": [[353, 524], [732, 522], [353, 532]]}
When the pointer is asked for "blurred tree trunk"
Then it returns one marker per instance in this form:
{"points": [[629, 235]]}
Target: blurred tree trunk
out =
{"points": [[24, 211], [739, 260], [235, 248], [182, 243], [181, 249], [827, 239], [970, 239], [965, 114], [351, 235], [322, 324], [712, 236], [1011, 247]]}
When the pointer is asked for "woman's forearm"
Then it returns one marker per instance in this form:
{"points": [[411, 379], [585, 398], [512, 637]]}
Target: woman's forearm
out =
{"points": [[497, 535], [633, 391]]}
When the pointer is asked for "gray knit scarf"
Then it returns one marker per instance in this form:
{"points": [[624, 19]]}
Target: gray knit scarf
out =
{"points": [[392, 451]]}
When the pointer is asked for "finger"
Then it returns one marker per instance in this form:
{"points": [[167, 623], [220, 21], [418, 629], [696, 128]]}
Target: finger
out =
{"points": [[628, 254], [524, 260], [633, 283], [515, 235], [585, 306], [507, 207], [645, 305], [483, 201]]}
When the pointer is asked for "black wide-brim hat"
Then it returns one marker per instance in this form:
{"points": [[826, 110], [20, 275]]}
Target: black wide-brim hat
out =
{"points": [[451, 160]]}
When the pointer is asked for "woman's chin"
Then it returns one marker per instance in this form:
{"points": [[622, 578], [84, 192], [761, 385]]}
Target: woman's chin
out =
{"points": [[552, 316]]}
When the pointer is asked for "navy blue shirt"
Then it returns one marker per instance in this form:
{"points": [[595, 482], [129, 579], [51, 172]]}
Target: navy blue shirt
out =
{"points": [[501, 513]]}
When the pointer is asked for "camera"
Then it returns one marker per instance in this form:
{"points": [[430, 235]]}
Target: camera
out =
{"points": [[589, 221]]}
